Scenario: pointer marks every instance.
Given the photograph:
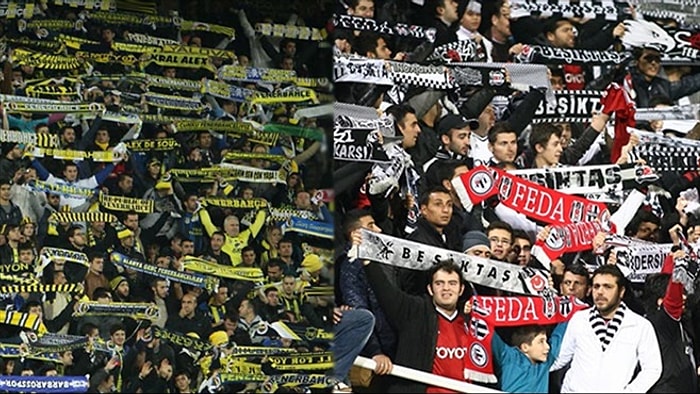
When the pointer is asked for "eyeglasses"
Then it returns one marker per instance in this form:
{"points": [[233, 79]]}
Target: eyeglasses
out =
{"points": [[652, 58], [504, 241]]}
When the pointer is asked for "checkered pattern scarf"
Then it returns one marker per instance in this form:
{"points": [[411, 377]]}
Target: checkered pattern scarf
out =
{"points": [[606, 332]]}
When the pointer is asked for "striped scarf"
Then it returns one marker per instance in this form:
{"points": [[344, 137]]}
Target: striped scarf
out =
{"points": [[606, 333]]}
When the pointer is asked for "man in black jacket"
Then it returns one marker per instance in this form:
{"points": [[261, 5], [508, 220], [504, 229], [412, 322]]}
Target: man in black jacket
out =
{"points": [[431, 333]]}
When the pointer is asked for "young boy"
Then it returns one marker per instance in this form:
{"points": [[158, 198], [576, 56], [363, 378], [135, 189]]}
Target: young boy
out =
{"points": [[524, 367]]}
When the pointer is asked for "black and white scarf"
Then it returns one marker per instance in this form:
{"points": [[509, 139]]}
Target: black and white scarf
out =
{"points": [[677, 112], [589, 9], [569, 106], [606, 331], [398, 29], [548, 55]]}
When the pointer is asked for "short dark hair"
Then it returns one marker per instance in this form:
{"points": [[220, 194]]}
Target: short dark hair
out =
{"points": [[116, 327], [541, 133], [526, 334], [551, 24], [655, 286], [352, 220], [448, 266], [101, 292], [425, 197], [439, 171], [399, 112], [610, 269], [502, 127], [366, 41], [642, 216], [500, 225], [580, 270], [517, 233]]}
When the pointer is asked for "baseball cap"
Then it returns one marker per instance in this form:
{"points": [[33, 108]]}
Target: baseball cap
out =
{"points": [[452, 121]]}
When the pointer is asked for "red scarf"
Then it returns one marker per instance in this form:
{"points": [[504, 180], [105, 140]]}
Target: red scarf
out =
{"points": [[575, 237], [529, 198], [489, 312], [617, 100]]}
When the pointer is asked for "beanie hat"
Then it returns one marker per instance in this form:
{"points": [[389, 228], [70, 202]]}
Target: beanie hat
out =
{"points": [[218, 338], [125, 233], [312, 263], [474, 238], [114, 283]]}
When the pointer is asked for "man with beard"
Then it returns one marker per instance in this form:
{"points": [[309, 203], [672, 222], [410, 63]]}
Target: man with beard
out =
{"points": [[606, 343]]}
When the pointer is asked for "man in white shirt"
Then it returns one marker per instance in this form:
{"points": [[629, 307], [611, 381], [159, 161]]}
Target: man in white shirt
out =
{"points": [[605, 343]]}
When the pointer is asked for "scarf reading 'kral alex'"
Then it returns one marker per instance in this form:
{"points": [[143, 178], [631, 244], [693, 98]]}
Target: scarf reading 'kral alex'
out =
{"points": [[534, 201], [490, 312]]}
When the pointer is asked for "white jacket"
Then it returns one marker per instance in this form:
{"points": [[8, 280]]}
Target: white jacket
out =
{"points": [[595, 371]]}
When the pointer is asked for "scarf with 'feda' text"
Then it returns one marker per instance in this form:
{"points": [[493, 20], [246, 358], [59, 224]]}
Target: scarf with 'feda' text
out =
{"points": [[535, 201], [489, 312]]}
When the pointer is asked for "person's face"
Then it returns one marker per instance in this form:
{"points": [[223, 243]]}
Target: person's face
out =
{"points": [[163, 261], [274, 273], [205, 140], [187, 247], [26, 256], [170, 73], [287, 64], [364, 8], [195, 155], [606, 294], [523, 247], [438, 211], [97, 264], [127, 184], [500, 240], [68, 135], [694, 234], [78, 238], [551, 152], [574, 285], [288, 285], [449, 11], [557, 82], [71, 173], [102, 137], [154, 168], [216, 243], [232, 226], [248, 257], [410, 130], [445, 288], [191, 203], [275, 236], [222, 294], [565, 134], [165, 371], [563, 36], [368, 223], [649, 64], [161, 289], [505, 148], [196, 41], [501, 23], [648, 231], [131, 222], [470, 21], [107, 35], [60, 278], [53, 200], [230, 325], [119, 337], [290, 48], [285, 249], [538, 349], [303, 200], [129, 241], [188, 304], [482, 251], [123, 289], [382, 51], [247, 194], [67, 358], [272, 298], [182, 382], [457, 141], [5, 192], [28, 230], [244, 309], [243, 61]]}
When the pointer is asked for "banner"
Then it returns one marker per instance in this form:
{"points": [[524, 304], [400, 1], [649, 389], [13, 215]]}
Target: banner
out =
{"points": [[669, 158], [179, 60], [290, 31], [342, 119], [583, 179], [165, 82], [569, 106], [12, 10], [229, 72], [139, 38], [173, 102], [362, 70], [212, 269], [228, 92], [315, 134], [134, 310], [92, 216], [301, 361], [211, 52], [184, 25], [358, 145], [676, 112], [282, 214], [70, 256], [25, 320], [236, 203], [74, 288], [41, 140], [534, 201], [247, 174], [554, 55], [152, 145], [676, 46], [180, 340], [413, 255], [62, 189], [291, 94], [14, 107], [45, 61], [192, 279], [44, 384], [126, 204], [310, 227], [457, 51], [398, 29], [636, 258]]}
